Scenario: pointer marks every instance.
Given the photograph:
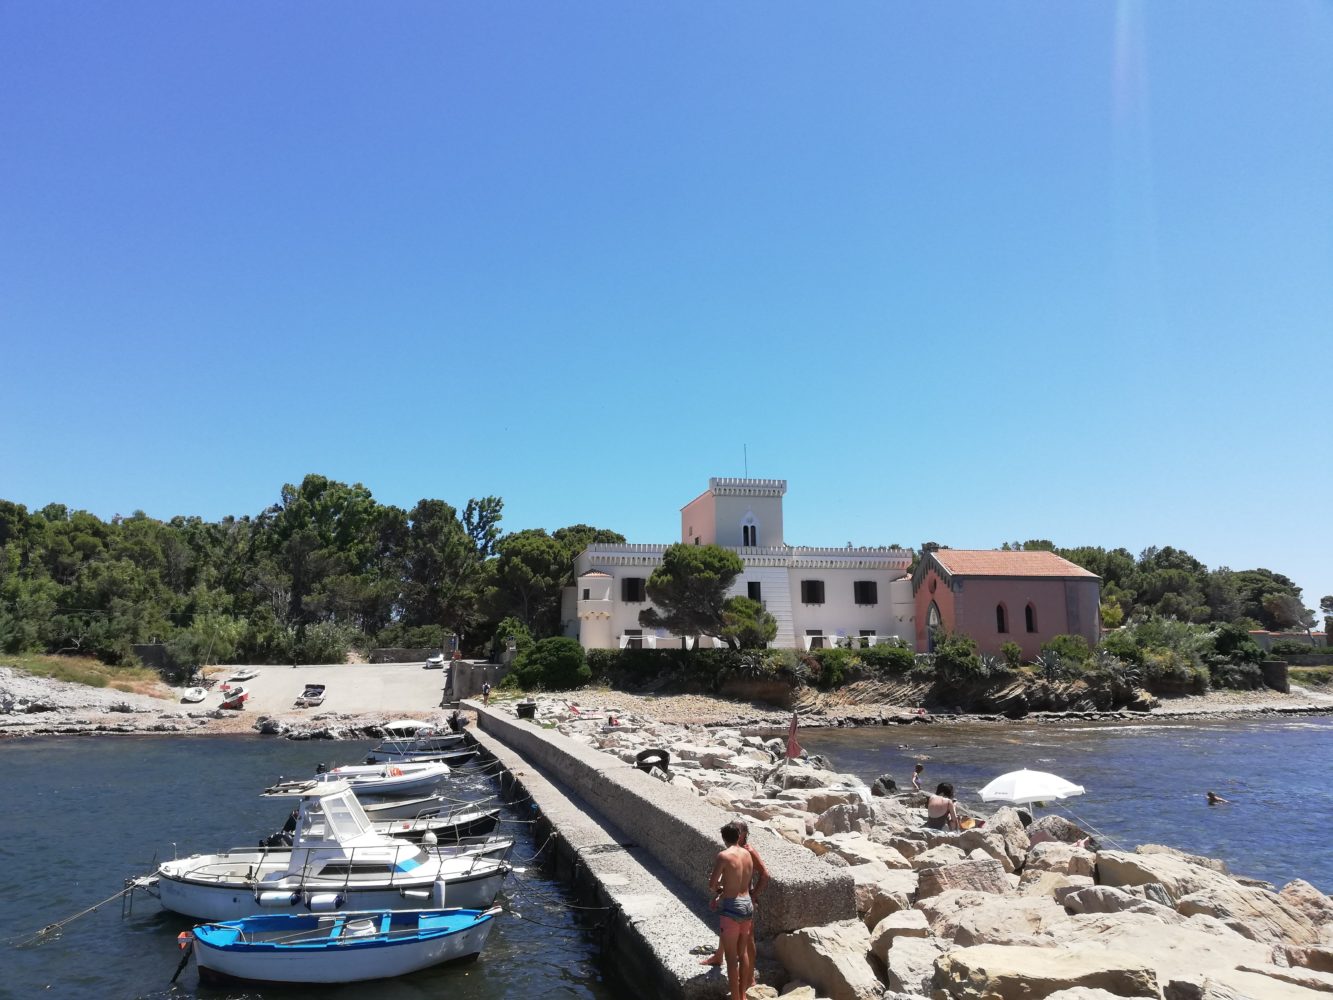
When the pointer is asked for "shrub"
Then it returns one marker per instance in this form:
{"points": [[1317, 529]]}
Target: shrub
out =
{"points": [[1013, 654], [555, 664], [956, 657], [888, 658], [522, 636], [1233, 642], [1292, 647], [1172, 671], [1225, 673], [833, 665], [1071, 650]]}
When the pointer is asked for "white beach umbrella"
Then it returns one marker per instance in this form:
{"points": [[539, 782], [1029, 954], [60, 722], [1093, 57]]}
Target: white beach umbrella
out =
{"points": [[1022, 787]]}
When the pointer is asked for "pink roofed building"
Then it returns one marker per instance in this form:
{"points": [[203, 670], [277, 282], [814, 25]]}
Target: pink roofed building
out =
{"points": [[996, 597]]}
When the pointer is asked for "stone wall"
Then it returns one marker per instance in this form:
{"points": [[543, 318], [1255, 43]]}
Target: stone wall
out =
{"points": [[679, 828], [467, 676], [400, 655]]}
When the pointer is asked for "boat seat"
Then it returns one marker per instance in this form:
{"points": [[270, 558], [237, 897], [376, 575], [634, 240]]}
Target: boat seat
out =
{"points": [[359, 928]]}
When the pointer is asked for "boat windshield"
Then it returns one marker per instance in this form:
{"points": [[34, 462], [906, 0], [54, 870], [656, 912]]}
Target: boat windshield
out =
{"points": [[338, 818]]}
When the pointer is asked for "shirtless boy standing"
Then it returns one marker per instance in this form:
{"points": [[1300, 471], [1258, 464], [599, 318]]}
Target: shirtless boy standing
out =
{"points": [[730, 883]]}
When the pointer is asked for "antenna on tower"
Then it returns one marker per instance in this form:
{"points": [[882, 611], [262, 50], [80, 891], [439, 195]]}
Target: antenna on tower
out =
{"points": [[745, 449]]}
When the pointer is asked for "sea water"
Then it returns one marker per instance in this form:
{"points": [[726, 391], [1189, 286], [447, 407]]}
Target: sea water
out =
{"points": [[78, 815], [1145, 782]]}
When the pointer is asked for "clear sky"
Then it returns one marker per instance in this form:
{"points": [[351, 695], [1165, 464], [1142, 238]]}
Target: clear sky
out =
{"points": [[967, 272]]}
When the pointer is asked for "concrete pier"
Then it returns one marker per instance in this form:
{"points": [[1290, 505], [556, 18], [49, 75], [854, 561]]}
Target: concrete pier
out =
{"points": [[645, 850]]}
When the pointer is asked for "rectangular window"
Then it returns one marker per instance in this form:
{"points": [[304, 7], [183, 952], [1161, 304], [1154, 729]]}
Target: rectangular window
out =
{"points": [[632, 590], [868, 631], [816, 637], [754, 591], [812, 591], [866, 592], [635, 636], [586, 593]]}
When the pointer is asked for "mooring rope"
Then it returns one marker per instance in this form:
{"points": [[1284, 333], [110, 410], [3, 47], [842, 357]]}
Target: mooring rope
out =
{"points": [[60, 924]]}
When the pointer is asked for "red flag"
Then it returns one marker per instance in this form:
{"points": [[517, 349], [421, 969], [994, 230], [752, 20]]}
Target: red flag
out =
{"points": [[793, 748]]}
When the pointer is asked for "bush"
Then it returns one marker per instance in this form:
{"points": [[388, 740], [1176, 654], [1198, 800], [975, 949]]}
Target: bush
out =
{"points": [[1226, 673], [888, 658], [508, 627], [1172, 671], [1013, 654], [1293, 647], [956, 658], [1071, 650], [833, 666], [556, 664]]}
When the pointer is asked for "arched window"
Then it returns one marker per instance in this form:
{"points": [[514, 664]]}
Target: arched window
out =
{"points": [[1001, 619], [933, 622], [1031, 615], [749, 530]]}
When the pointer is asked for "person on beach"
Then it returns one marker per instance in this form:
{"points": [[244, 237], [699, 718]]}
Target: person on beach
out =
{"points": [[760, 880], [1216, 800], [941, 810], [916, 776], [486, 693], [730, 883]]}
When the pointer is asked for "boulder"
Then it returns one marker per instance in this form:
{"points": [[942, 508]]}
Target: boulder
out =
{"points": [[1253, 986], [1008, 825], [843, 818], [903, 924], [1317, 957], [936, 857], [894, 815], [1215, 864], [1081, 993], [1028, 920], [911, 965], [997, 972], [820, 800], [1317, 907], [799, 991], [1052, 884], [1258, 915], [881, 891], [858, 850], [1178, 876], [1176, 947], [833, 958], [978, 876], [1306, 978], [835, 860], [1054, 827], [1055, 856], [761, 992], [788, 828], [883, 785]]}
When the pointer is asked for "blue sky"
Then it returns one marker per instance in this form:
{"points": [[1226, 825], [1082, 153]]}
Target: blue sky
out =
{"points": [[966, 272]]}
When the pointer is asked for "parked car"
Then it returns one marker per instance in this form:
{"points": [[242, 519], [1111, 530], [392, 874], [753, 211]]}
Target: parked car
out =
{"points": [[435, 661]]}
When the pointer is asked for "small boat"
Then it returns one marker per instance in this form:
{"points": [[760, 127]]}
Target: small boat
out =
{"points": [[312, 695], [244, 675], [460, 754], [405, 808], [235, 697], [194, 694], [338, 948], [405, 737], [447, 826], [337, 862], [388, 779]]}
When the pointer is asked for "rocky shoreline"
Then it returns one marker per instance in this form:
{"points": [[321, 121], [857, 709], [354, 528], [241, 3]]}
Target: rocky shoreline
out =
{"points": [[1010, 908], [39, 706]]}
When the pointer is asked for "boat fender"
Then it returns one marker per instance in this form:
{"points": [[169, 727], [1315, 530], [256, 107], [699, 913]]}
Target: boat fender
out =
{"points": [[416, 894], [395, 771], [429, 838], [276, 898], [323, 902], [184, 939], [646, 760]]}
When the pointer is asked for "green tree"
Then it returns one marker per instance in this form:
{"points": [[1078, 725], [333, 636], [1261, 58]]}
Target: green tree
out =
{"points": [[690, 589], [1326, 609], [746, 624], [554, 664]]}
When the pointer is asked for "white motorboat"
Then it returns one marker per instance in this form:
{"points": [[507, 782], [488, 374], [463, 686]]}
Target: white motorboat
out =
{"points": [[449, 825], [338, 948], [405, 737], [459, 754], [195, 694], [337, 862], [235, 697], [244, 675], [388, 779]]}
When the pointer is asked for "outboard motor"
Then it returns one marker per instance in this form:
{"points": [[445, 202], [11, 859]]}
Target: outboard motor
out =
{"points": [[321, 768]]}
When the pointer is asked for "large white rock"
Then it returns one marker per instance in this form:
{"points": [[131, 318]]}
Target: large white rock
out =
{"points": [[911, 964], [1176, 948], [1063, 858], [834, 958], [858, 850], [998, 972], [844, 819], [936, 857], [903, 924]]}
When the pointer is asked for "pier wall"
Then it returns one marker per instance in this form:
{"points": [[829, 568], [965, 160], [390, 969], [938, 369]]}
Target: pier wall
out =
{"points": [[678, 828]]}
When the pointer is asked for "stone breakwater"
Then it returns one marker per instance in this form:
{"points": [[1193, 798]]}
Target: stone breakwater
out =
{"points": [[1009, 908]]}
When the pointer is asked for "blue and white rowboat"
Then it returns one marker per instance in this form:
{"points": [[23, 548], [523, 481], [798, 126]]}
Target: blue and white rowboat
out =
{"points": [[339, 947]]}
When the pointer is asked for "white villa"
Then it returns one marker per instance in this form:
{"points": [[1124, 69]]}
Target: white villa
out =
{"points": [[819, 597]]}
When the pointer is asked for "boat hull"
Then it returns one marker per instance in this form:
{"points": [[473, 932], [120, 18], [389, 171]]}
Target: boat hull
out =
{"points": [[345, 960], [476, 889]]}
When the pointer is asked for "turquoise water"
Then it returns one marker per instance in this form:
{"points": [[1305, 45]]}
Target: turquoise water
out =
{"points": [[1146, 782], [81, 814]]}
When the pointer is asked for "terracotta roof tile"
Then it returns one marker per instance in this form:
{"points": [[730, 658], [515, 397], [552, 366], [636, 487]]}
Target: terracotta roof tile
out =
{"points": [[988, 562], [593, 572]]}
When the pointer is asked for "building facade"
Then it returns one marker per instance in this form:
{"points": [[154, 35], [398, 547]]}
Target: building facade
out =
{"points": [[998, 597], [819, 597]]}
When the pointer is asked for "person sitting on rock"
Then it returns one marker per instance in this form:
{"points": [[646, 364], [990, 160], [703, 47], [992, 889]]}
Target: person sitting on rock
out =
{"points": [[941, 810]]}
